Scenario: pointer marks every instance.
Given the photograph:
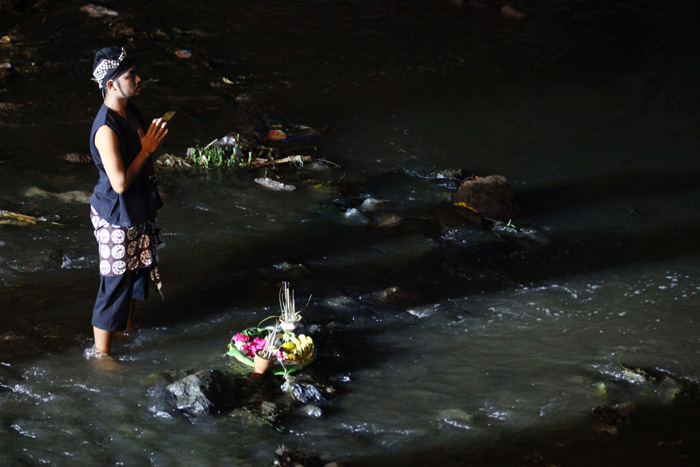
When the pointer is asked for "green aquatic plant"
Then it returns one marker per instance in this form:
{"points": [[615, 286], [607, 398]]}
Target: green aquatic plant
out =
{"points": [[229, 156], [214, 156], [234, 153]]}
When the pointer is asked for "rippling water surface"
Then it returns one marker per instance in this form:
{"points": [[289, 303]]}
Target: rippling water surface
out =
{"points": [[589, 110]]}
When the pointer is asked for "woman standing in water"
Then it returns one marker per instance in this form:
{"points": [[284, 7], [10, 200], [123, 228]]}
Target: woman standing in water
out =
{"points": [[124, 203]]}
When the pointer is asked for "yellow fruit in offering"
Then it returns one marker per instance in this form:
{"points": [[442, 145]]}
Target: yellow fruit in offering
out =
{"points": [[288, 346]]}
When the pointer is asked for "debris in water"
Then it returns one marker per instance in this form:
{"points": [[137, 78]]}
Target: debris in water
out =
{"points": [[20, 219], [97, 11], [297, 160], [77, 158], [183, 53], [173, 162], [274, 185], [511, 12], [641, 374], [5, 69], [276, 135]]}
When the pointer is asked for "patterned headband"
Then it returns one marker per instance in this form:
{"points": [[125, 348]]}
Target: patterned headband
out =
{"points": [[106, 67]]}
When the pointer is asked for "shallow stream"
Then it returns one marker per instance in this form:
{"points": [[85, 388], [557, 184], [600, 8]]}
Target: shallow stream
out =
{"points": [[590, 109]]}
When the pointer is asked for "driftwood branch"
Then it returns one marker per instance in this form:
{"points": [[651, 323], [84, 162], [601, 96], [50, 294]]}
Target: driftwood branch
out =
{"points": [[18, 217], [255, 163]]}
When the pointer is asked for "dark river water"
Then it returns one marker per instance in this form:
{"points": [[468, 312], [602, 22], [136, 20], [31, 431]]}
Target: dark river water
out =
{"points": [[496, 342]]}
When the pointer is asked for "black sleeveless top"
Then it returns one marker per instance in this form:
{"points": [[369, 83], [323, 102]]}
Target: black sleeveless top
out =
{"points": [[140, 201]]}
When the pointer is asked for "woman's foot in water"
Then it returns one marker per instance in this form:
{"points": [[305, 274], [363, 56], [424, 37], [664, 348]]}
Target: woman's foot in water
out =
{"points": [[101, 359]]}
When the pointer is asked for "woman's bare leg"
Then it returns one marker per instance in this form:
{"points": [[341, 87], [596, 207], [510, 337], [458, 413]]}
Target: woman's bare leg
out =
{"points": [[103, 342]]}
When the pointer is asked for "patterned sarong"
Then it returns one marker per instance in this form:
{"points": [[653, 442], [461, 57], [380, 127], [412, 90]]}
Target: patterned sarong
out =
{"points": [[125, 249]]}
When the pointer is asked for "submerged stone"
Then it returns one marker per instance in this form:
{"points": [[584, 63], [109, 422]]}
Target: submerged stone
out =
{"points": [[311, 411], [269, 411], [356, 216], [456, 417], [247, 417], [204, 392], [304, 393]]}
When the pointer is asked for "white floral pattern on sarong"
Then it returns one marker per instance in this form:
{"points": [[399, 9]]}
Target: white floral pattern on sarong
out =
{"points": [[126, 249]]}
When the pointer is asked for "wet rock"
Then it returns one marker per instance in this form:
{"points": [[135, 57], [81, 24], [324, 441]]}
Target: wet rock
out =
{"points": [[204, 392], [456, 417], [634, 373], [491, 197], [356, 216], [269, 412], [388, 220], [287, 458], [248, 417], [304, 393], [311, 411], [398, 295], [616, 415], [671, 387], [371, 204]]}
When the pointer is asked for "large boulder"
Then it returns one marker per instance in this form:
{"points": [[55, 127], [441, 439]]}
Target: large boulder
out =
{"points": [[203, 392], [491, 197]]}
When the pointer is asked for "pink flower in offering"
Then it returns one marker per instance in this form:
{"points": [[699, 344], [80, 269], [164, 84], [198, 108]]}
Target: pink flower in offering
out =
{"points": [[249, 348], [241, 337]]}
